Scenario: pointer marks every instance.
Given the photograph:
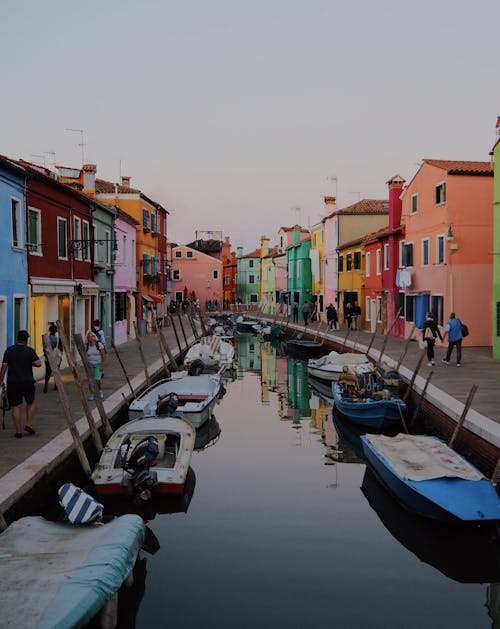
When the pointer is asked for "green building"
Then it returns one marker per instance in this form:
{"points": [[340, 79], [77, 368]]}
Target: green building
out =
{"points": [[248, 276], [104, 263], [299, 283]]}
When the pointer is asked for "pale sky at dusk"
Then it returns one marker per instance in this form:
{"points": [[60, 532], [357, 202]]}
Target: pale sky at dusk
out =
{"points": [[232, 113]]}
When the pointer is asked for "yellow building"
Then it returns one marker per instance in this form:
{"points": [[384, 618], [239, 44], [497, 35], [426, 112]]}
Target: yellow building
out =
{"points": [[316, 254], [351, 285]]}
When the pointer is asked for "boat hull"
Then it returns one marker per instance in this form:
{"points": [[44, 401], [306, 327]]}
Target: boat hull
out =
{"points": [[451, 500], [378, 414], [305, 349]]}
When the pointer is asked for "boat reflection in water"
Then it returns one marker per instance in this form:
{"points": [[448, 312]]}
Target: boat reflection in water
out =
{"points": [[207, 434], [464, 554]]}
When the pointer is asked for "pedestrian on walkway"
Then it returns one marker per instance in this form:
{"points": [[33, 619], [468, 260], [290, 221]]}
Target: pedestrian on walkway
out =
{"points": [[295, 312], [96, 355], [98, 331], [331, 316], [348, 314], [18, 362], [306, 310], [356, 316], [430, 332], [56, 345], [453, 331]]}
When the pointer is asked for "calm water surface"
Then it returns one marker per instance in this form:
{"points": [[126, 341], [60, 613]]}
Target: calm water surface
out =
{"points": [[280, 534]]}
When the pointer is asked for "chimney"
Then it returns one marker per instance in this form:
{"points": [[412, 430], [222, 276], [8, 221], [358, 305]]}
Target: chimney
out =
{"points": [[264, 246], [239, 252], [126, 182], [395, 184], [89, 172], [330, 200], [296, 235]]}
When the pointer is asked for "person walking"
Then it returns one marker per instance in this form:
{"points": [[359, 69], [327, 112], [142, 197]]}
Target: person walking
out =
{"points": [[453, 331], [331, 317], [18, 362], [430, 332], [356, 316], [96, 355], [98, 331], [306, 310], [348, 314], [55, 343], [295, 312]]}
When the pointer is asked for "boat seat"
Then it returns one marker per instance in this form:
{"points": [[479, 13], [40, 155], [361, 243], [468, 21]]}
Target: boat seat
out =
{"points": [[191, 397], [161, 438]]}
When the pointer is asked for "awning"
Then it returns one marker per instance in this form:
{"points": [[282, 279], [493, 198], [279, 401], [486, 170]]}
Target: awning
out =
{"points": [[156, 299], [147, 298]]}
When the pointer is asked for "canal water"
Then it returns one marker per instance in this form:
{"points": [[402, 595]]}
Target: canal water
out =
{"points": [[286, 528]]}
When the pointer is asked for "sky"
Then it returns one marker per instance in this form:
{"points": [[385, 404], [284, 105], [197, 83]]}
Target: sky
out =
{"points": [[241, 116]]}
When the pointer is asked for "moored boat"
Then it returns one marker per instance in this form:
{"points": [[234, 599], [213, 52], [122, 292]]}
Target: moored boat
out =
{"points": [[330, 366], [213, 352], [305, 348], [430, 478], [163, 442]]}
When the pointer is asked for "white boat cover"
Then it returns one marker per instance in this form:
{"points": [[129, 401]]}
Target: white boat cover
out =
{"points": [[423, 457], [55, 575], [340, 359]]}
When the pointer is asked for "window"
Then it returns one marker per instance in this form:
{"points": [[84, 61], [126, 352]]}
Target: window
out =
{"points": [[368, 262], [121, 306], [145, 263], [62, 238], [216, 274], [86, 241], [425, 252], [254, 298], [437, 308], [107, 245], [77, 237], [402, 244], [178, 254], [367, 308], [348, 262], [357, 260], [189, 254], [407, 254], [17, 229], [34, 231], [251, 279], [145, 218], [414, 204], [410, 308], [176, 274], [400, 305], [440, 193], [379, 309], [299, 269], [341, 264], [227, 280], [378, 261], [440, 249], [387, 260], [250, 264], [153, 222]]}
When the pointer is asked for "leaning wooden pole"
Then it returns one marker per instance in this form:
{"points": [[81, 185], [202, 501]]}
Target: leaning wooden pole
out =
{"points": [[191, 323], [374, 334], [141, 352], [168, 351], [460, 422], [108, 431], [162, 352], [182, 329], [405, 348], [386, 339], [421, 399], [345, 341], [80, 451], [417, 369], [174, 328], [120, 362], [81, 393]]}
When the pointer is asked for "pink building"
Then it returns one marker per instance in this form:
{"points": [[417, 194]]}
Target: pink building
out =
{"points": [[196, 275], [125, 280], [446, 257]]}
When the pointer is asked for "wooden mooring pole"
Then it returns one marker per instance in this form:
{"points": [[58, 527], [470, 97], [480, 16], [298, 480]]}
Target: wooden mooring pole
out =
{"points": [[421, 399], [162, 353], [141, 352], [80, 451], [417, 368], [174, 328], [182, 329], [386, 338], [405, 348], [460, 422], [168, 351], [120, 362]]}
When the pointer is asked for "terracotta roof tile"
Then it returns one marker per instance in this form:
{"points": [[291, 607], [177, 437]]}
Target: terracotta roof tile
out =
{"points": [[458, 167], [252, 254], [365, 206], [108, 187]]}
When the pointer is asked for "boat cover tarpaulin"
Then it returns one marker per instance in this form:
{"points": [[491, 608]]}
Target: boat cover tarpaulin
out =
{"points": [[341, 359], [422, 457], [55, 575]]}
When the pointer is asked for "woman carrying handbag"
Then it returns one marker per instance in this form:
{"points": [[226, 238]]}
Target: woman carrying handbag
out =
{"points": [[430, 332]]}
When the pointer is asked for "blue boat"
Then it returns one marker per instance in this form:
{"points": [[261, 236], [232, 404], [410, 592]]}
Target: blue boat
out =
{"points": [[366, 411], [431, 479]]}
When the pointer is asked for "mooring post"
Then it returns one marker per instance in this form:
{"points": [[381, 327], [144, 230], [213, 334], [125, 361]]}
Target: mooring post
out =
{"points": [[81, 393], [162, 353], [345, 341], [460, 422], [405, 348], [417, 368], [421, 398], [182, 329], [386, 338], [108, 431], [168, 351], [82, 456], [123, 369], [174, 328], [141, 352]]}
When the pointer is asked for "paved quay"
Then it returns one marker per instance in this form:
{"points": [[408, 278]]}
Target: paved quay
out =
{"points": [[25, 461]]}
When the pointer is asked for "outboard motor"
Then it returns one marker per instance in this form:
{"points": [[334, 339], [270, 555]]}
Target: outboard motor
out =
{"points": [[195, 368], [167, 404], [138, 466]]}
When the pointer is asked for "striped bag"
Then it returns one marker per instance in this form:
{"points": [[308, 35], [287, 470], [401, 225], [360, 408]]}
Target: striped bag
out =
{"points": [[80, 508]]}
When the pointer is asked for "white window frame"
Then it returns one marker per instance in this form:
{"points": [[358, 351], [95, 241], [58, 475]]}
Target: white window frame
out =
{"points": [[368, 262], [368, 309], [38, 250], [19, 223], [86, 239], [77, 237], [178, 254], [414, 206], [250, 264], [442, 185], [107, 245], [378, 263], [299, 269], [426, 240], [176, 275], [215, 274], [438, 238], [402, 244], [251, 278], [61, 219], [189, 254], [386, 257]]}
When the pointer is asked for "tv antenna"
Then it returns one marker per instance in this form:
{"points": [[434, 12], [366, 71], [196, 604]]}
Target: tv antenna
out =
{"points": [[52, 155], [82, 143], [297, 209]]}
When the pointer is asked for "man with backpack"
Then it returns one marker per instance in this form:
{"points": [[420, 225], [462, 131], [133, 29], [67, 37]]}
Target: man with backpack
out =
{"points": [[453, 331], [98, 331]]}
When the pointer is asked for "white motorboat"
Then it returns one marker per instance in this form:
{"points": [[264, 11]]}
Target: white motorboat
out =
{"points": [[212, 351], [196, 397], [163, 442], [330, 367]]}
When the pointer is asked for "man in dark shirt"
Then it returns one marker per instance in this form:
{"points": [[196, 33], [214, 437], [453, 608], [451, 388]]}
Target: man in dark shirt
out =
{"points": [[18, 362]]}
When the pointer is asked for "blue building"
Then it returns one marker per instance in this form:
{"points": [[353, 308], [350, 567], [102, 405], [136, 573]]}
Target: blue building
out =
{"points": [[13, 256]]}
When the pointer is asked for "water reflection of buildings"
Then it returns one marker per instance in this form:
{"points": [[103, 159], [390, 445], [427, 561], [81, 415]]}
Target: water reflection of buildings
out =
{"points": [[493, 604], [248, 354]]}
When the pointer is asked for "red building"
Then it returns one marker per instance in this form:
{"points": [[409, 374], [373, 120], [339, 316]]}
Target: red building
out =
{"points": [[230, 267]]}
